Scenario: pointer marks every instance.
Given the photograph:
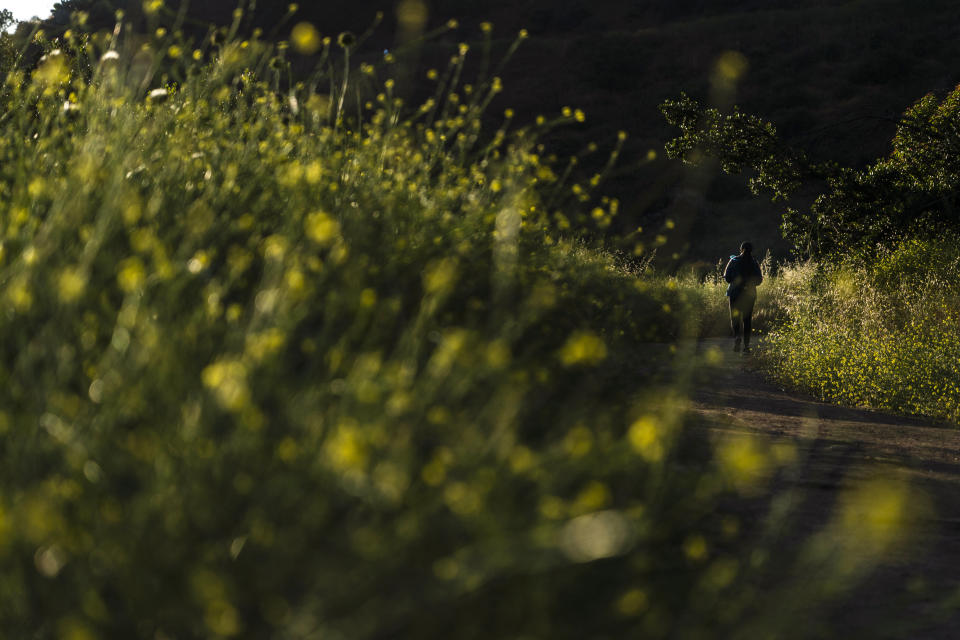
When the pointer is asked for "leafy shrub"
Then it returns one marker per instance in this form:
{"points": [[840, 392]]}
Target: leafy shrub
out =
{"points": [[883, 336]]}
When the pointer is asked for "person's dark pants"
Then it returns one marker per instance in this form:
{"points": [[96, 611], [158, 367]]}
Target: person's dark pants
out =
{"points": [[741, 315]]}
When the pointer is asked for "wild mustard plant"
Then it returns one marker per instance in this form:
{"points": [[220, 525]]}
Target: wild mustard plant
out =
{"points": [[882, 336], [310, 361]]}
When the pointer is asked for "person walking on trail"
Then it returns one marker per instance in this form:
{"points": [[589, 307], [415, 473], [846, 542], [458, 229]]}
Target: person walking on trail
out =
{"points": [[743, 275]]}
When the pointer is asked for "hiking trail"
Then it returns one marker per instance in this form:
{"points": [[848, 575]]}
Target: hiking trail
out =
{"points": [[838, 447]]}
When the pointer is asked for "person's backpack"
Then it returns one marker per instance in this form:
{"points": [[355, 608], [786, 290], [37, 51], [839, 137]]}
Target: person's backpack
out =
{"points": [[741, 273]]}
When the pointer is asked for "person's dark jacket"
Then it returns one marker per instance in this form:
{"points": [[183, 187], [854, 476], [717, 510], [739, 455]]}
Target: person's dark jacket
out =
{"points": [[743, 273]]}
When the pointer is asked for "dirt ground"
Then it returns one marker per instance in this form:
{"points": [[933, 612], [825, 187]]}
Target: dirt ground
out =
{"points": [[915, 593]]}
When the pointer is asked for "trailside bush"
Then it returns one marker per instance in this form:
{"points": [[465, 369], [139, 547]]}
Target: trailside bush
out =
{"points": [[267, 369], [884, 336]]}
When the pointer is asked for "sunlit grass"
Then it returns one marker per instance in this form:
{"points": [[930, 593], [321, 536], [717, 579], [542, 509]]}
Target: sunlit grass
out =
{"points": [[884, 336]]}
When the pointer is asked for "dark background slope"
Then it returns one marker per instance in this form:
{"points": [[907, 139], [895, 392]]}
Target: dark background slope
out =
{"points": [[833, 75]]}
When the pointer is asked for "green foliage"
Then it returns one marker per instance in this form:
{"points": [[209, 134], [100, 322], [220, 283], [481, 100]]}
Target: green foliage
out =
{"points": [[740, 141], [884, 336], [926, 147], [908, 193], [7, 49]]}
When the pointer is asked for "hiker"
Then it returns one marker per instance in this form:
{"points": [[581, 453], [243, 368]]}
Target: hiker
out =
{"points": [[743, 273]]}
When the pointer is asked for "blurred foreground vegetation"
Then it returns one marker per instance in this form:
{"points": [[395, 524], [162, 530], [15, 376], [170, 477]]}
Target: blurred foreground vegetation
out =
{"points": [[315, 363]]}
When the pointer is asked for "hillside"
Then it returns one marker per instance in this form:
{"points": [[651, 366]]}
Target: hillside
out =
{"points": [[833, 75]]}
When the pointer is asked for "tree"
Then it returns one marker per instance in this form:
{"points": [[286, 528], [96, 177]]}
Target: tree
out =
{"points": [[7, 51], [101, 13], [911, 192]]}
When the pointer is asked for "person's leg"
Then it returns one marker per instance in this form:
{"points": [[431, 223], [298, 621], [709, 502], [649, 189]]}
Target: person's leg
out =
{"points": [[735, 322], [747, 313], [747, 326]]}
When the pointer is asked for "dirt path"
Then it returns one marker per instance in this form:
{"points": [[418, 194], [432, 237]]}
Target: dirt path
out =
{"points": [[917, 593]]}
